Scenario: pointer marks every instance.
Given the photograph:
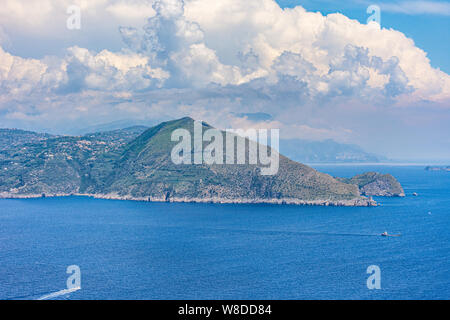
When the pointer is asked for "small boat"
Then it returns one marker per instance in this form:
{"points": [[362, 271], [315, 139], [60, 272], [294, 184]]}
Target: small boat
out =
{"points": [[385, 234]]}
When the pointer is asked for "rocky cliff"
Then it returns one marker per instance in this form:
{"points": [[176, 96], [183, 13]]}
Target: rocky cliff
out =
{"points": [[376, 184]]}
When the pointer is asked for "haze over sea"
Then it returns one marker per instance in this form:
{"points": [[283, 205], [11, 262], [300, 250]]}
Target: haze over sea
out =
{"points": [[142, 250]]}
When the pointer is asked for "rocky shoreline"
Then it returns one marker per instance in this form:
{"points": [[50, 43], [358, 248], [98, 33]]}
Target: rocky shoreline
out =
{"points": [[360, 202], [135, 165]]}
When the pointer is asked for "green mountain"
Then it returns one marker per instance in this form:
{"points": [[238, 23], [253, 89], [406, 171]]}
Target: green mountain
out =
{"points": [[13, 138], [135, 163], [55, 164]]}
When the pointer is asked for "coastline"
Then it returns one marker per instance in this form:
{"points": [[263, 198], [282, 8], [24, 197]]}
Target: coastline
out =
{"points": [[359, 202]]}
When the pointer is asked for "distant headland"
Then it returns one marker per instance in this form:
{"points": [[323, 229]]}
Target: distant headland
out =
{"points": [[438, 168]]}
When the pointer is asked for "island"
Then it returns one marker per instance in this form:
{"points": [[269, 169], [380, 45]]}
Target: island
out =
{"points": [[135, 164], [438, 168], [376, 184]]}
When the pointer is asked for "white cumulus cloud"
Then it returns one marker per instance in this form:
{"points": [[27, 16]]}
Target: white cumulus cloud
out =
{"points": [[215, 59]]}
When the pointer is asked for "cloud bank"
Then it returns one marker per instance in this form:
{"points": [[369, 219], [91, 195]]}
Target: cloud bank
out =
{"points": [[215, 59]]}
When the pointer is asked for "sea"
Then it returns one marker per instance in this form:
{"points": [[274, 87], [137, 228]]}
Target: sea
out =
{"points": [[143, 250]]}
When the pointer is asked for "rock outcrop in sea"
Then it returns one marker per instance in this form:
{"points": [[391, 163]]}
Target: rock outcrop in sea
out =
{"points": [[376, 184]]}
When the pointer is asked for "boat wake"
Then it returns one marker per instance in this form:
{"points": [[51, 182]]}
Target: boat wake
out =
{"points": [[58, 293], [45, 296], [306, 233]]}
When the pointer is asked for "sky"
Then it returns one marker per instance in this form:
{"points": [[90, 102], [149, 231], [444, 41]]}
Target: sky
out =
{"points": [[314, 69], [426, 22]]}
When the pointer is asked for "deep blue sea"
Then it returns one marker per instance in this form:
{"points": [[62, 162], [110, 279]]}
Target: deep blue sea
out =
{"points": [[141, 250]]}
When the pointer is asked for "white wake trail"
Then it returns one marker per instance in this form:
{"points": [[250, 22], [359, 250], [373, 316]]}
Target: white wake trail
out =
{"points": [[58, 293]]}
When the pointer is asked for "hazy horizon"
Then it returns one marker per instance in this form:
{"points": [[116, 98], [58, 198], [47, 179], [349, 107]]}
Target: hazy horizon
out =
{"points": [[127, 123]]}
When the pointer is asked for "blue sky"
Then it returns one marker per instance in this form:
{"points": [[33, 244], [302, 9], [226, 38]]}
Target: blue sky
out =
{"points": [[317, 74]]}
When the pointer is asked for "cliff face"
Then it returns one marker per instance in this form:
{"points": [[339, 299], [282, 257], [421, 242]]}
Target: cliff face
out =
{"points": [[137, 165], [377, 184]]}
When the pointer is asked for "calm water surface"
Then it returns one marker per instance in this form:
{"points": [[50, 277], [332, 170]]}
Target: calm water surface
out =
{"points": [[139, 250]]}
